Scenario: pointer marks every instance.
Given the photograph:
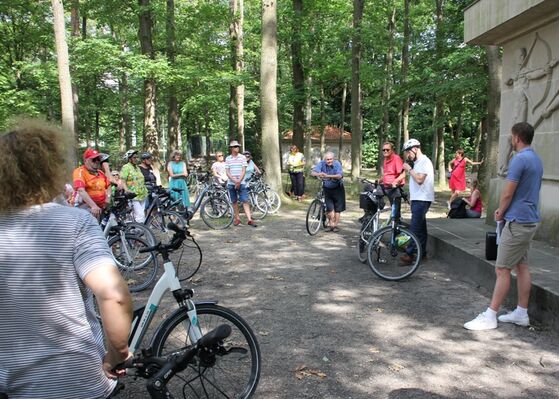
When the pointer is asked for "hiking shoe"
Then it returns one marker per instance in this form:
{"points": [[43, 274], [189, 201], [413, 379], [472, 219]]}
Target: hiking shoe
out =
{"points": [[334, 229], [514, 317], [481, 322], [236, 222], [252, 223]]}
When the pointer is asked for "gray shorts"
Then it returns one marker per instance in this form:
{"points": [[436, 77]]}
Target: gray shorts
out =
{"points": [[515, 243]]}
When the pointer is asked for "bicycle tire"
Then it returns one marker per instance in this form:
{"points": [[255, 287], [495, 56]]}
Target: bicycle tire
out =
{"points": [[258, 211], [158, 221], [274, 200], [140, 230], [216, 212], [365, 233], [315, 216], [138, 269], [235, 371], [383, 256]]}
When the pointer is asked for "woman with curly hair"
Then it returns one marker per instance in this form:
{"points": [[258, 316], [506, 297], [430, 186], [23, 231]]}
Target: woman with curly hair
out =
{"points": [[53, 259]]}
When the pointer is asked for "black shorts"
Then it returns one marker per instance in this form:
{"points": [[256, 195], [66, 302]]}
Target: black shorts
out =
{"points": [[335, 199]]}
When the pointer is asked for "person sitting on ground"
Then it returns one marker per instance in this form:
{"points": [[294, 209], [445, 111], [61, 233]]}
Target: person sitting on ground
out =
{"points": [[457, 169], [132, 180], [331, 173], [474, 200], [218, 168], [251, 166], [53, 260], [90, 184]]}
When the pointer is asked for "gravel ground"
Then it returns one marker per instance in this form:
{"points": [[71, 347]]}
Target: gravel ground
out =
{"points": [[329, 328]]}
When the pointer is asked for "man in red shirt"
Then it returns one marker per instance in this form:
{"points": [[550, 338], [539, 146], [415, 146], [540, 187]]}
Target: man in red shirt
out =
{"points": [[90, 183], [394, 174]]}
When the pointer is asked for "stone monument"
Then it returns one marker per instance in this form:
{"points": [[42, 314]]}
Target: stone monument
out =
{"points": [[528, 31]]}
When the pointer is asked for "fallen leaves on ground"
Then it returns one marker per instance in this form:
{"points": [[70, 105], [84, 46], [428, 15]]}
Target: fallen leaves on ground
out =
{"points": [[303, 371], [374, 349], [396, 367], [277, 278]]}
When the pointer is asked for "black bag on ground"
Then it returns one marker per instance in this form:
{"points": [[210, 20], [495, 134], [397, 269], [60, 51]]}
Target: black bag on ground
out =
{"points": [[457, 209], [490, 245]]}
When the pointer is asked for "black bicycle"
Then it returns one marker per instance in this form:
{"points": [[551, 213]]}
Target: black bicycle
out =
{"points": [[316, 214], [388, 243]]}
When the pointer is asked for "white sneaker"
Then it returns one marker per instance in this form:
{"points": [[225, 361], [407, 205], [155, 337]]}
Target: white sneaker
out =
{"points": [[481, 322], [514, 317], [448, 205]]}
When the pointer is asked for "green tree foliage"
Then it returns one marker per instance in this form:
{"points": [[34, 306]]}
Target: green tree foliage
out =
{"points": [[201, 75]]}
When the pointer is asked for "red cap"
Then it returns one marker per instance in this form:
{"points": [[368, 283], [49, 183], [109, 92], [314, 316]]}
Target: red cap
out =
{"points": [[90, 153]]}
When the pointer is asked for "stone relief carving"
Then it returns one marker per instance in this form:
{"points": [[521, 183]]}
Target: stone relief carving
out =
{"points": [[525, 106]]}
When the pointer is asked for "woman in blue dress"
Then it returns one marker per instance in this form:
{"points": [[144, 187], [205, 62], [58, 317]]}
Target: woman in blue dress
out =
{"points": [[177, 178]]}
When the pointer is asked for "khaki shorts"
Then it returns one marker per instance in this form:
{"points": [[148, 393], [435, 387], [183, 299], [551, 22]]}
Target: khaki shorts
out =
{"points": [[515, 243]]}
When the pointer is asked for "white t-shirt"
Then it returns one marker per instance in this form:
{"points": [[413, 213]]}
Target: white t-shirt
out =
{"points": [[425, 191]]}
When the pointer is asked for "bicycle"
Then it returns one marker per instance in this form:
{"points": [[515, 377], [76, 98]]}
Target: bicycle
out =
{"points": [[316, 214], [215, 210], [273, 200], [256, 200], [158, 371], [126, 239], [387, 243], [160, 211], [371, 200], [237, 359]]}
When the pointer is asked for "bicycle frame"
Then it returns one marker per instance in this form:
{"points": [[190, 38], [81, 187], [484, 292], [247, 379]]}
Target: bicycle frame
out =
{"points": [[167, 282]]}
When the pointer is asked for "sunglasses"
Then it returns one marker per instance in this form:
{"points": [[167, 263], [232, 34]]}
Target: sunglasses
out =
{"points": [[386, 150], [96, 160]]}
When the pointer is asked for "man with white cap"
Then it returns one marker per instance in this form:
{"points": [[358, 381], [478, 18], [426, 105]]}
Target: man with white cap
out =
{"points": [[236, 166]]}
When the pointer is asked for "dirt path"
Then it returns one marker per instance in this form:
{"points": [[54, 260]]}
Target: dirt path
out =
{"points": [[318, 310]]}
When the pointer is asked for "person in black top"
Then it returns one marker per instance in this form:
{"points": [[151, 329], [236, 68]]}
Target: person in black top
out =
{"points": [[149, 178]]}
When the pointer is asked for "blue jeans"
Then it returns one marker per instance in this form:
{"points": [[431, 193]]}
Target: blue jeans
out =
{"points": [[419, 225]]}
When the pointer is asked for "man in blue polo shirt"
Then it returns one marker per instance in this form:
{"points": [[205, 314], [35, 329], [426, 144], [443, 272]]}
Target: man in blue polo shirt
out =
{"points": [[518, 207], [331, 173]]}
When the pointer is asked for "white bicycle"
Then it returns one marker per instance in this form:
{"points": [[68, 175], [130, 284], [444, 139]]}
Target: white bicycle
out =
{"points": [[233, 370]]}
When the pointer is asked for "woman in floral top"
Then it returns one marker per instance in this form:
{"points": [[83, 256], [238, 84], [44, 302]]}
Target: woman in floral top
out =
{"points": [[133, 180]]}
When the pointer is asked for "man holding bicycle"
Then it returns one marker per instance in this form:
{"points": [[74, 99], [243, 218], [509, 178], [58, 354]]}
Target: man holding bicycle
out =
{"points": [[331, 173], [422, 194]]}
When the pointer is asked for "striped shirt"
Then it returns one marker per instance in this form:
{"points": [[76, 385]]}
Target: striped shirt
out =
{"points": [[51, 344], [235, 166]]}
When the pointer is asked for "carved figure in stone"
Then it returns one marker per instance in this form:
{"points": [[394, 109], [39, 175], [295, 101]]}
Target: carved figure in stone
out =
{"points": [[520, 82]]}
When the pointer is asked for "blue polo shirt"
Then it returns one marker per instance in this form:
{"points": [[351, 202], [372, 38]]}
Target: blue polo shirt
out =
{"points": [[335, 169], [525, 169]]}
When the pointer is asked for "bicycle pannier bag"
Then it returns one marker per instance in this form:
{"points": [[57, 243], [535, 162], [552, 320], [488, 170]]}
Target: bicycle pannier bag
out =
{"points": [[367, 201]]}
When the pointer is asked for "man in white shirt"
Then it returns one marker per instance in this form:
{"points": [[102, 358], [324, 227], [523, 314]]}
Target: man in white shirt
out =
{"points": [[422, 194]]}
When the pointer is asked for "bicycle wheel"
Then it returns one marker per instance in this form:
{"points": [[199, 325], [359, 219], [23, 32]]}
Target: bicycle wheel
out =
{"points": [[217, 213], [367, 227], [138, 269], [232, 371], [258, 207], [140, 230], [384, 251], [315, 216], [158, 221], [273, 200]]}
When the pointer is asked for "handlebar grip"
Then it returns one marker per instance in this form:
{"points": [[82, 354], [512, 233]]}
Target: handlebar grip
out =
{"points": [[217, 334], [150, 249], [128, 363]]}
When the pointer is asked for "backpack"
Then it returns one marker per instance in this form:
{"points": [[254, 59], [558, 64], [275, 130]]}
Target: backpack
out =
{"points": [[457, 209]]}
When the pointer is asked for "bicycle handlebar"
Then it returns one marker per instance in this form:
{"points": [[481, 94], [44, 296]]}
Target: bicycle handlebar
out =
{"points": [[177, 362], [175, 243]]}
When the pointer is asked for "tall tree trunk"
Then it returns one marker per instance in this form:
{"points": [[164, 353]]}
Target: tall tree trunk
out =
{"points": [[75, 22], [298, 76], [63, 67], [405, 68], [308, 125], [150, 135], [208, 133], [240, 66], [97, 128], [232, 111], [173, 126], [322, 122], [268, 95], [356, 117], [440, 159], [387, 87], [342, 125], [125, 121], [488, 168]]}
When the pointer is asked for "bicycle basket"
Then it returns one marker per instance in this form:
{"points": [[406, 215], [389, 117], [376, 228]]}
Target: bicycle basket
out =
{"points": [[368, 202]]}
